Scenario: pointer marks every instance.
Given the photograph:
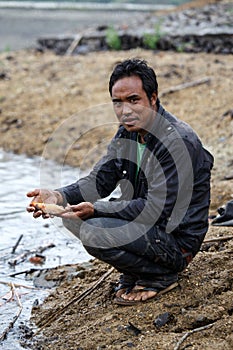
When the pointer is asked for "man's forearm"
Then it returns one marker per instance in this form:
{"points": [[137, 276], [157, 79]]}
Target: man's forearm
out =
{"points": [[61, 200]]}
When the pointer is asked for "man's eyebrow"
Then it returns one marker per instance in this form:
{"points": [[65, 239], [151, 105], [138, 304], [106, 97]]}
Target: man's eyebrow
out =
{"points": [[116, 99], [132, 96]]}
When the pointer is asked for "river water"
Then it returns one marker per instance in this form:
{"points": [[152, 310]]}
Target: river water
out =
{"points": [[18, 175], [23, 22]]}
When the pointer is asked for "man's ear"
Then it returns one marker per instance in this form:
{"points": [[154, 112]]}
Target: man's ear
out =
{"points": [[153, 99]]}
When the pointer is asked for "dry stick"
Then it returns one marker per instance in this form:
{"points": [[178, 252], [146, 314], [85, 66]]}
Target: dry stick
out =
{"points": [[186, 335], [11, 324], [218, 239], [77, 299], [16, 244], [185, 86], [18, 285], [8, 296], [73, 45]]}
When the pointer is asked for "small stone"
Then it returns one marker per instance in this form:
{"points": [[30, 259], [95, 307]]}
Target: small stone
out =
{"points": [[162, 319]]}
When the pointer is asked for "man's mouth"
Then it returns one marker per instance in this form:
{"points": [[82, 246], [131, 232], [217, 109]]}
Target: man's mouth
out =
{"points": [[129, 121]]}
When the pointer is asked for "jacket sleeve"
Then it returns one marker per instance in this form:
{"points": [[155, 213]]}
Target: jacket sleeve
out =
{"points": [[98, 184]]}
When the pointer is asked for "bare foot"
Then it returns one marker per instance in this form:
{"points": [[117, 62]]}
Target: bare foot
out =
{"points": [[138, 295]]}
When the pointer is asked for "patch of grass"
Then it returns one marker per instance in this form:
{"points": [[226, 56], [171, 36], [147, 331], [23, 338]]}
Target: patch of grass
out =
{"points": [[150, 40], [112, 39]]}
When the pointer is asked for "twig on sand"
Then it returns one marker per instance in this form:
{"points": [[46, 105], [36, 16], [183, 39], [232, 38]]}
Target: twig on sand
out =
{"points": [[20, 308], [186, 335], [23, 256], [77, 299], [218, 239], [185, 86], [16, 244]]}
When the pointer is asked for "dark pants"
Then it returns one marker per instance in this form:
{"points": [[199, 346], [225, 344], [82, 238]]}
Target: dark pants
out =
{"points": [[147, 254]]}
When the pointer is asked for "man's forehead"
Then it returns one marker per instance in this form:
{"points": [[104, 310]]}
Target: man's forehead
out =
{"points": [[131, 85]]}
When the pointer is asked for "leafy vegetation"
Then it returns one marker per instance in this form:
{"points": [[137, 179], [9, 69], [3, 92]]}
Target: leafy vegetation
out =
{"points": [[112, 39], [150, 40]]}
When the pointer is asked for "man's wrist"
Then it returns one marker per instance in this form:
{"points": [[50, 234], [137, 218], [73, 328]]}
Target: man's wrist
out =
{"points": [[60, 198]]}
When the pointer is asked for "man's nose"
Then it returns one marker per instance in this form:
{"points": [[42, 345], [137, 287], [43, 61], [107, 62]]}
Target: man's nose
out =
{"points": [[126, 109]]}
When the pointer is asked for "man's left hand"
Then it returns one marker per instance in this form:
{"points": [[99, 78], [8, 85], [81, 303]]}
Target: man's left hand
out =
{"points": [[83, 210]]}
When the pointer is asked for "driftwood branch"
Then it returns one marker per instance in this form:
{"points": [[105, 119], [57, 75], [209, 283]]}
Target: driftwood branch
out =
{"points": [[20, 308], [76, 299], [186, 335], [23, 256], [185, 86], [218, 239]]}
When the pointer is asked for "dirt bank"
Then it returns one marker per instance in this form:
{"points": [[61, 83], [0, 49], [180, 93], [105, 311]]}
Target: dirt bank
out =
{"points": [[204, 297]]}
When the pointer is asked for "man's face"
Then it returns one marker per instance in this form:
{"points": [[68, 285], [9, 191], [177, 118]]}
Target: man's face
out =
{"points": [[132, 106]]}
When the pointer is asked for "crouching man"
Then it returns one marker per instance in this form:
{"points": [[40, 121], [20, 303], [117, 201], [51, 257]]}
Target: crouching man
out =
{"points": [[156, 226]]}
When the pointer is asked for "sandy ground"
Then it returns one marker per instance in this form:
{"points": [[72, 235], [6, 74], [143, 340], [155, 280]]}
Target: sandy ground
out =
{"points": [[59, 106]]}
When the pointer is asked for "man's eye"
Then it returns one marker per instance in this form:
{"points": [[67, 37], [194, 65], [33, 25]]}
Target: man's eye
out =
{"points": [[133, 100], [117, 103]]}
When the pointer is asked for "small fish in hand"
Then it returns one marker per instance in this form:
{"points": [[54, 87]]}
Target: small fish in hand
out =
{"points": [[50, 209]]}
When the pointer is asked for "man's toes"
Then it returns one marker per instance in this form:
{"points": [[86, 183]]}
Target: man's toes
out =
{"points": [[138, 296], [148, 295], [128, 296]]}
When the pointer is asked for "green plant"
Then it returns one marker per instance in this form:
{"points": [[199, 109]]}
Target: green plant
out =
{"points": [[112, 39], [150, 40]]}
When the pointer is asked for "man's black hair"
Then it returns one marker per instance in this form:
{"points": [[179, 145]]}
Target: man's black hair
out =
{"points": [[140, 68]]}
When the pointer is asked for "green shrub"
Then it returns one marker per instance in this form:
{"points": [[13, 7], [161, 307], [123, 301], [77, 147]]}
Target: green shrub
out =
{"points": [[112, 39], [150, 40]]}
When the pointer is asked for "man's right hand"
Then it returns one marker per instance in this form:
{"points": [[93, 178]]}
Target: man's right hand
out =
{"points": [[43, 196]]}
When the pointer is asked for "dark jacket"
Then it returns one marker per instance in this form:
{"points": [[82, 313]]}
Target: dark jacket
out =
{"points": [[172, 189]]}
